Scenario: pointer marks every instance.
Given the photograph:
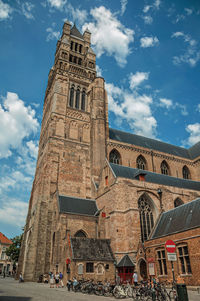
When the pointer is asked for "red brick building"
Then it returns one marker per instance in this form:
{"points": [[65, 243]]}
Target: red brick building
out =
{"points": [[95, 182]]}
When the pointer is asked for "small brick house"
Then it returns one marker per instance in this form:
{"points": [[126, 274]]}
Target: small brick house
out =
{"points": [[182, 226]]}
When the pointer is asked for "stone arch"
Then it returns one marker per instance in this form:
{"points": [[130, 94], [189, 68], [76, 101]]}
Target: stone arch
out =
{"points": [[80, 233], [186, 172], [115, 157], [141, 162], [164, 167], [142, 266], [178, 202], [73, 130], [147, 212]]}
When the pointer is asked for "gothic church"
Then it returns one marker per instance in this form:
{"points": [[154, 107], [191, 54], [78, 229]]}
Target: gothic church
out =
{"points": [[98, 193]]}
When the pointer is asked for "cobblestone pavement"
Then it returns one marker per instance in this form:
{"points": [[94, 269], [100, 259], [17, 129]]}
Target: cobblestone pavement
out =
{"points": [[12, 290]]}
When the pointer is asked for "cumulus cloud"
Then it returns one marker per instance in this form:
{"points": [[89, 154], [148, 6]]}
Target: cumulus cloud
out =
{"points": [[13, 212], [188, 11], [169, 104], [16, 122], [5, 10], [116, 41], [133, 108], [166, 103], [58, 4], [194, 131], [149, 42], [79, 16], [137, 78], [99, 71], [123, 6], [147, 19], [52, 34], [191, 55]]}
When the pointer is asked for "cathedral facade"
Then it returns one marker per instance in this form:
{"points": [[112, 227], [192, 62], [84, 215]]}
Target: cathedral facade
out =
{"points": [[98, 193]]}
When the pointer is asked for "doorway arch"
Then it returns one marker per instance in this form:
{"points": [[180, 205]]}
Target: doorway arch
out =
{"points": [[143, 269]]}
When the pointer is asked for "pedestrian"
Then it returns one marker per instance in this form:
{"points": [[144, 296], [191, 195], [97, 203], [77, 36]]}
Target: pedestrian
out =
{"points": [[69, 285], [61, 279], [4, 274], [75, 282], [21, 279], [57, 279], [135, 278], [51, 276]]}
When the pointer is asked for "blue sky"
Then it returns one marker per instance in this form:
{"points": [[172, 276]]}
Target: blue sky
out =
{"points": [[148, 51]]}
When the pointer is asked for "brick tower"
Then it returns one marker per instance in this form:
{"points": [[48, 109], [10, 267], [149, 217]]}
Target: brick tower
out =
{"points": [[72, 146]]}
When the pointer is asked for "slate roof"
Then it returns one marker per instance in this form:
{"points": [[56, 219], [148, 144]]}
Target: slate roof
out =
{"points": [[153, 144], [69, 204], [4, 239], [125, 262], [76, 33], [91, 249], [182, 218], [151, 177]]}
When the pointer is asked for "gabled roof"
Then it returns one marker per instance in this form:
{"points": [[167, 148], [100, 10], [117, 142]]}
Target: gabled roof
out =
{"points": [[125, 262], [182, 218], [5, 240], [91, 249], [153, 144], [76, 33], [69, 204], [151, 177]]}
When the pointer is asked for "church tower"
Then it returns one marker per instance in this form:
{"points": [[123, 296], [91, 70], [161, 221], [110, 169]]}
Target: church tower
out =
{"points": [[72, 146]]}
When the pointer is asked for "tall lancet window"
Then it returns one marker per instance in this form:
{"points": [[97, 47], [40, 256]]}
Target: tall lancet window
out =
{"points": [[71, 97], [146, 217], [77, 98], [141, 162], [164, 168], [83, 101]]}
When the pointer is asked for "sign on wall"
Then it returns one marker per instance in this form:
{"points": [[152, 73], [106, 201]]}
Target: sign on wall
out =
{"points": [[151, 268]]}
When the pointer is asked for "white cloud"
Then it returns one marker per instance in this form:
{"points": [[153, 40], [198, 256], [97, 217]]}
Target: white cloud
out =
{"points": [[188, 11], [5, 10], [78, 15], [166, 103], [146, 8], [52, 34], [149, 42], [133, 108], [16, 122], [198, 108], [147, 19], [123, 6], [58, 4], [116, 41], [99, 71], [191, 54], [157, 4], [137, 78], [27, 8], [33, 148], [13, 212], [194, 131]]}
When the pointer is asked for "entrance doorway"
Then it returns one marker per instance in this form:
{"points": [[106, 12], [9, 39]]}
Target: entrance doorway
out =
{"points": [[143, 269]]}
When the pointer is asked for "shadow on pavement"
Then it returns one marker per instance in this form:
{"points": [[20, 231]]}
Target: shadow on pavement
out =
{"points": [[13, 298]]}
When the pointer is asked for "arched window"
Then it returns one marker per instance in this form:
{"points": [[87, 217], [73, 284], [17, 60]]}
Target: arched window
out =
{"points": [[186, 172], [178, 202], [71, 98], [164, 168], [80, 233], [72, 44], [79, 61], [115, 157], [141, 162], [83, 101], [77, 98], [146, 217], [80, 48]]}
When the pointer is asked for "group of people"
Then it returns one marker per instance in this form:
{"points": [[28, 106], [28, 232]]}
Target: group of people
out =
{"points": [[56, 279]]}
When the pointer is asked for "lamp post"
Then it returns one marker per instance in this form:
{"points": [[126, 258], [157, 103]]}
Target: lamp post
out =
{"points": [[159, 192]]}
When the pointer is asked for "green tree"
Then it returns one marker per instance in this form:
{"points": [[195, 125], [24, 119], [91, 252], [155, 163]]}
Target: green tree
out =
{"points": [[14, 249]]}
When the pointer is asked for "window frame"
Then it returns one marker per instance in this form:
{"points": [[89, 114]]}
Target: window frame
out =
{"points": [[162, 262], [184, 264], [89, 267]]}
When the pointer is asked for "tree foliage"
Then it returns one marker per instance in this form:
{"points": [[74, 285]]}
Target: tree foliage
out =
{"points": [[14, 249]]}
